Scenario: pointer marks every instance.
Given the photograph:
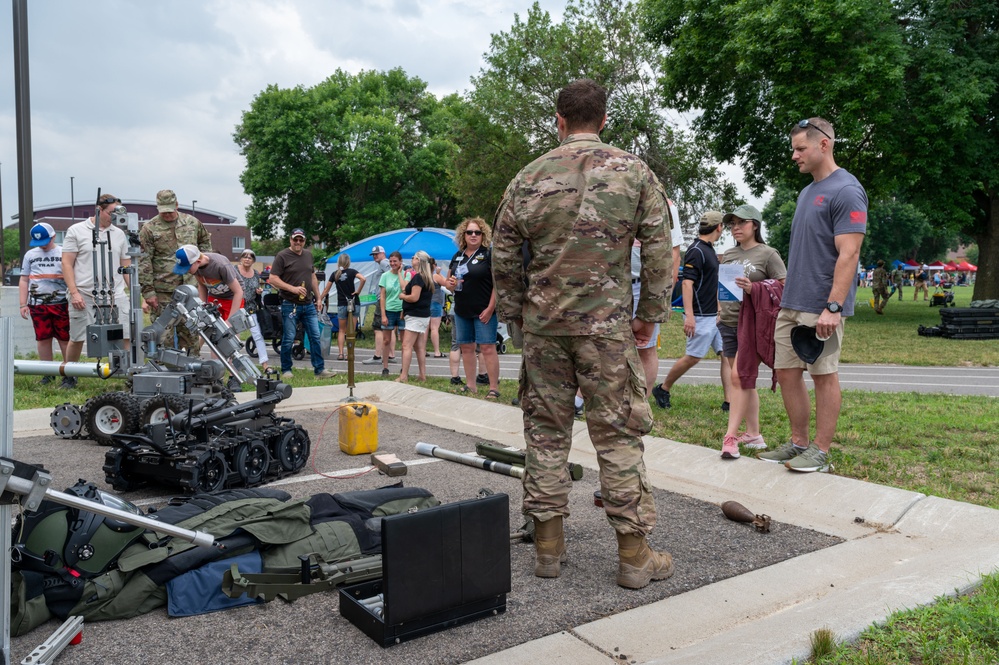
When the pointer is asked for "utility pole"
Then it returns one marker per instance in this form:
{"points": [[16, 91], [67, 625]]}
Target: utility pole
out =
{"points": [[22, 101], [72, 200]]}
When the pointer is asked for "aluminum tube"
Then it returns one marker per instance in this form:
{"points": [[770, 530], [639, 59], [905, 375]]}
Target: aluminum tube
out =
{"points": [[53, 368], [431, 450], [23, 486]]}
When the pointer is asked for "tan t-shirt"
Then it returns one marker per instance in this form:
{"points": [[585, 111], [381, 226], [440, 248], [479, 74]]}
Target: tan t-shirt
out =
{"points": [[760, 262]]}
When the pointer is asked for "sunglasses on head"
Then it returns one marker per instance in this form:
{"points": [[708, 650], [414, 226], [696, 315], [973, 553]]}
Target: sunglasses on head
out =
{"points": [[470, 232], [805, 124], [108, 201]]}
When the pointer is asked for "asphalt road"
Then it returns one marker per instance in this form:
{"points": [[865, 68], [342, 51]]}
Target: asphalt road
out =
{"points": [[882, 378]]}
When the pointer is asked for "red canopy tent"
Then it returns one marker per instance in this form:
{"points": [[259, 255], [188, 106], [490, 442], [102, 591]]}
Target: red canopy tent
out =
{"points": [[936, 265], [950, 266], [964, 266], [912, 265]]}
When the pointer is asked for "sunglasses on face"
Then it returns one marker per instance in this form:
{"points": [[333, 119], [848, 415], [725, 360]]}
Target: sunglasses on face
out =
{"points": [[805, 124], [470, 232], [298, 239], [739, 223]]}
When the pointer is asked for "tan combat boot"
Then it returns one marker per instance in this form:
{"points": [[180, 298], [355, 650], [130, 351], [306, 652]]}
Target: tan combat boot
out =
{"points": [[549, 547], [639, 564]]}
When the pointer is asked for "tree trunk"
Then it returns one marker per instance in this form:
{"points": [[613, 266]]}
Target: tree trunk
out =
{"points": [[987, 278]]}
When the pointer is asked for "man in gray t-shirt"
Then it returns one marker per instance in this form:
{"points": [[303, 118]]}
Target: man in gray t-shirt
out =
{"points": [[826, 234]]}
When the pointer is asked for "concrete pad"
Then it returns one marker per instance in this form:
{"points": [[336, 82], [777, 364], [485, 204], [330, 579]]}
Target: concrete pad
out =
{"points": [[902, 549], [557, 649]]}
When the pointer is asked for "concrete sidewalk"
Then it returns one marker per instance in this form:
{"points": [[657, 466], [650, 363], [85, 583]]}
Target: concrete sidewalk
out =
{"points": [[901, 549]]}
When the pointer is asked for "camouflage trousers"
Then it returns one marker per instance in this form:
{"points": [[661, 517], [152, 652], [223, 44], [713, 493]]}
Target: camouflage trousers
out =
{"points": [[610, 376], [185, 338], [880, 298]]}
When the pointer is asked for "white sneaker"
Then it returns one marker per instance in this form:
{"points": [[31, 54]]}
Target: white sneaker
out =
{"points": [[287, 375], [752, 442]]}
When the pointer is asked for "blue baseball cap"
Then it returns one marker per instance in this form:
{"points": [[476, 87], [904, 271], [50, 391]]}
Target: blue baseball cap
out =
{"points": [[41, 234], [185, 257]]}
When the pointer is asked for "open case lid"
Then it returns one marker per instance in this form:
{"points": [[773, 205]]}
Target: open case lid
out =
{"points": [[446, 556]]}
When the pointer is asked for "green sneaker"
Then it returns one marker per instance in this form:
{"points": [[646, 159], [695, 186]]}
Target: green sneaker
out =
{"points": [[809, 461], [782, 454]]}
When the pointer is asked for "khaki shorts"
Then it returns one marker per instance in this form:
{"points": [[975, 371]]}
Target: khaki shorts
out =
{"points": [[786, 358], [79, 319]]}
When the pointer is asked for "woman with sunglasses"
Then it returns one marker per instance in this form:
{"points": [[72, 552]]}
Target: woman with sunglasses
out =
{"points": [[249, 279], [760, 262], [470, 278]]}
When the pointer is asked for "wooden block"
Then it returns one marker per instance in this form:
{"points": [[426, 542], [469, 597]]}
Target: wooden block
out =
{"points": [[389, 464]]}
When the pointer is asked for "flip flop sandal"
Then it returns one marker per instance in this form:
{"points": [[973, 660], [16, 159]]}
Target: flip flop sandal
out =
{"points": [[462, 391], [492, 394], [341, 357]]}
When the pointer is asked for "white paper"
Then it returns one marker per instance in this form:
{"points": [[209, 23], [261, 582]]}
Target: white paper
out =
{"points": [[727, 290]]}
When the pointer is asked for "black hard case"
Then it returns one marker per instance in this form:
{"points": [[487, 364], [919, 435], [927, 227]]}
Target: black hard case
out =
{"points": [[441, 567]]}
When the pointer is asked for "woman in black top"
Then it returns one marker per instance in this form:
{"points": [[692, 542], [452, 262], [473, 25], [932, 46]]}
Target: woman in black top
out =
{"points": [[416, 294], [470, 277], [346, 290]]}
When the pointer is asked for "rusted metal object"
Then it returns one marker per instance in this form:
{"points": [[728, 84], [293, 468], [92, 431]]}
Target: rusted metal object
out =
{"points": [[737, 512]]}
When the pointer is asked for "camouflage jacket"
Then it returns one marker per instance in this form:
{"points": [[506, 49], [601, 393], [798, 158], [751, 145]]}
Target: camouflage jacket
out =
{"points": [[160, 242], [880, 278], [580, 207]]}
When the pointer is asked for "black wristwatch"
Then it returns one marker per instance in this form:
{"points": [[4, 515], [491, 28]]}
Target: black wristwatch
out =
{"points": [[834, 307]]}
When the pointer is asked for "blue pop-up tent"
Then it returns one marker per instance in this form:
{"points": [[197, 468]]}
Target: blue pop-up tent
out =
{"points": [[438, 243]]}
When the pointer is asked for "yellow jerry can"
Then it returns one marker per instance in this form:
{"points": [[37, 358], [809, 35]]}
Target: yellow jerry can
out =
{"points": [[358, 428]]}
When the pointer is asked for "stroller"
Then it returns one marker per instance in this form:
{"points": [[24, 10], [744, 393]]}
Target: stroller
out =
{"points": [[942, 296], [272, 327]]}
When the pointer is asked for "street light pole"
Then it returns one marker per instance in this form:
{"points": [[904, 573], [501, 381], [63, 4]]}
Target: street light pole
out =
{"points": [[194, 207], [72, 199]]}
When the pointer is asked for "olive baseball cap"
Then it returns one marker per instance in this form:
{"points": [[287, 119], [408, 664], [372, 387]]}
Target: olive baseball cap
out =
{"points": [[166, 201], [744, 211]]}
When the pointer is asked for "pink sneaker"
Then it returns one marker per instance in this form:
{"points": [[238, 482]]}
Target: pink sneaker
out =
{"points": [[730, 448], [754, 442]]}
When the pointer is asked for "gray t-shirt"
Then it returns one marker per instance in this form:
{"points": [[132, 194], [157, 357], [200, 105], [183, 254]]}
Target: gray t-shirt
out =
{"points": [[216, 275], [759, 262], [828, 208]]}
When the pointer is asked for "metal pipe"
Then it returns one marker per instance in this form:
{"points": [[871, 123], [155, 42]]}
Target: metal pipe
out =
{"points": [[54, 368], [24, 486], [431, 450]]}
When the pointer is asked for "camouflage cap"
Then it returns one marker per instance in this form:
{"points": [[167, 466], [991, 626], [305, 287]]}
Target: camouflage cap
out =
{"points": [[166, 201], [710, 219]]}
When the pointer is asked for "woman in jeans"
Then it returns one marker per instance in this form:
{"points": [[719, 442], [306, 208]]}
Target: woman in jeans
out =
{"points": [[470, 277], [416, 294]]}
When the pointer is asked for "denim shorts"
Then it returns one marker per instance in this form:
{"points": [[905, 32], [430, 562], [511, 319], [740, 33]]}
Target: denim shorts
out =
{"points": [[436, 310], [394, 321], [473, 331], [341, 311], [706, 336]]}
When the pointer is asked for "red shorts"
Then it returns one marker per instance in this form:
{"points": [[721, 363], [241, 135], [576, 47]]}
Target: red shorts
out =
{"points": [[50, 321], [225, 306]]}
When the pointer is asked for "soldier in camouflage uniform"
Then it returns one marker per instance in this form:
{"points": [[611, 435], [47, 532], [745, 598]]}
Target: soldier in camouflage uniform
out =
{"points": [[580, 207], [880, 283], [161, 237]]}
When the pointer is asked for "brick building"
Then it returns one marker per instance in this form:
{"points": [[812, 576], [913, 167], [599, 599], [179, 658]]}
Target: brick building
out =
{"points": [[228, 239]]}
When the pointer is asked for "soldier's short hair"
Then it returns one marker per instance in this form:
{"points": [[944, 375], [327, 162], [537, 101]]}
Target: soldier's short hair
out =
{"points": [[582, 103]]}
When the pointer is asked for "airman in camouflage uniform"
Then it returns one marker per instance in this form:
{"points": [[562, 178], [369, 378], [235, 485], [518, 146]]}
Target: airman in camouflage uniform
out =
{"points": [[880, 284], [161, 237], [580, 207]]}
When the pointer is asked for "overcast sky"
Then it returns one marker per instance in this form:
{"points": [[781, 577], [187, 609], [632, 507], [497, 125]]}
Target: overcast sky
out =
{"points": [[134, 96]]}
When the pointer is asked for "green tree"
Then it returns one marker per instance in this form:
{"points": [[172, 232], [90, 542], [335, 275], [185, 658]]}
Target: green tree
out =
{"points": [[512, 106], [911, 86], [353, 156]]}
